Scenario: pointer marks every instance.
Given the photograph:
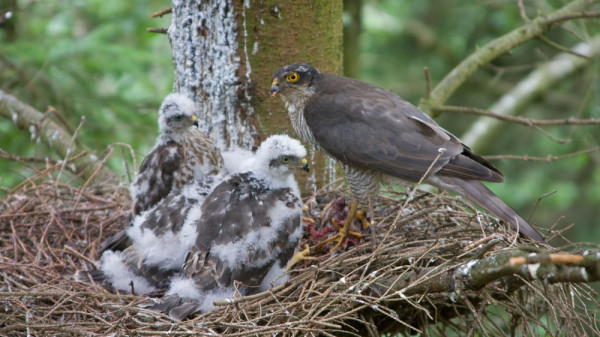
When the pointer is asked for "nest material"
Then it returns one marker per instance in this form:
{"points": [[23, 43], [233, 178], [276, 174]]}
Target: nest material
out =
{"points": [[423, 275]]}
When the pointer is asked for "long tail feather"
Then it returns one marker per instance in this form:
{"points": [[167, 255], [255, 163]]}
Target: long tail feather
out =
{"points": [[478, 193]]}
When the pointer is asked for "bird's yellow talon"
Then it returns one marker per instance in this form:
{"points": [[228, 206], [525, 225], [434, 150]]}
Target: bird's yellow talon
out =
{"points": [[344, 231], [355, 234], [309, 220], [300, 256], [362, 216], [336, 224]]}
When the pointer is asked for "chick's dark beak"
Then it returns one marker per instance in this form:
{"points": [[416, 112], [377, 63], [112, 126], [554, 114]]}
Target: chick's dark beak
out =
{"points": [[195, 121], [305, 165], [274, 87]]}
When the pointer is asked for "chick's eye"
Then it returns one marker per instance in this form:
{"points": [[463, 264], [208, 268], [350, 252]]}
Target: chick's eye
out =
{"points": [[293, 77], [286, 159], [178, 118]]}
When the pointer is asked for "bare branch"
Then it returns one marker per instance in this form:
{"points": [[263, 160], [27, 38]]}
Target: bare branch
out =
{"points": [[522, 11], [427, 81], [31, 120], [500, 46], [548, 158], [157, 30], [476, 274], [583, 15], [543, 77], [561, 48], [517, 119], [161, 12]]}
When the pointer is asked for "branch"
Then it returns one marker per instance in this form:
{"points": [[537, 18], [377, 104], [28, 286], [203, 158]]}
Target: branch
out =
{"points": [[157, 30], [548, 158], [498, 47], [516, 119], [543, 77], [54, 135], [512, 265], [161, 12]]}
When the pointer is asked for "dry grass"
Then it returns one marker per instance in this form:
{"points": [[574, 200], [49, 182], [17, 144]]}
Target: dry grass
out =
{"points": [[49, 230]]}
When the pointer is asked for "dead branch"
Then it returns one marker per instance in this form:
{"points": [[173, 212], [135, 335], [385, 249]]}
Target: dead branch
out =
{"points": [[548, 158], [161, 12], [157, 30], [517, 119], [31, 120]]}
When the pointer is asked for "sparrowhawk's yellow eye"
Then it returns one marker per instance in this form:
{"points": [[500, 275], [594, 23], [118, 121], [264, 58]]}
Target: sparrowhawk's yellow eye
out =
{"points": [[293, 77]]}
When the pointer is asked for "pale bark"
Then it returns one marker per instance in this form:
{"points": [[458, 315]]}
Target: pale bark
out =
{"points": [[225, 52]]}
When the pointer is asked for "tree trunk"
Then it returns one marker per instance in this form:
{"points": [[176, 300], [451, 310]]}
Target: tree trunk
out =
{"points": [[352, 30], [225, 52]]}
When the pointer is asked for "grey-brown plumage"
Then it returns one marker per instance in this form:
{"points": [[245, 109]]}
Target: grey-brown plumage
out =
{"points": [[160, 239], [182, 153], [249, 229], [375, 134]]}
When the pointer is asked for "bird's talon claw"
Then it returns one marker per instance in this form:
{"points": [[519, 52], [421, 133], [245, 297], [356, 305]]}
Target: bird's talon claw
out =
{"points": [[300, 256], [362, 216], [308, 220]]}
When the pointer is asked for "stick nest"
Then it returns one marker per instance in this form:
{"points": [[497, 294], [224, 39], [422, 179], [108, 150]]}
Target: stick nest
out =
{"points": [[421, 276]]}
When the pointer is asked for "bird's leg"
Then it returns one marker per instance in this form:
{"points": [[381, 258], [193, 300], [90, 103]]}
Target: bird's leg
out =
{"points": [[345, 231], [300, 256]]}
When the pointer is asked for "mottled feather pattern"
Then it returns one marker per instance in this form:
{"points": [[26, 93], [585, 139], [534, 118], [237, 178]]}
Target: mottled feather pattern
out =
{"points": [[243, 239], [172, 165], [158, 175]]}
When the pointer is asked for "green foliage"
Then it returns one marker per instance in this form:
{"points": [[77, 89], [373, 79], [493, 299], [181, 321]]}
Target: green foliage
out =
{"points": [[89, 58]]}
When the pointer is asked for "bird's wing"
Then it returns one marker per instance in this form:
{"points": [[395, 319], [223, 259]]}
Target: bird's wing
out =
{"points": [[153, 274], [243, 229], [156, 175], [367, 127]]}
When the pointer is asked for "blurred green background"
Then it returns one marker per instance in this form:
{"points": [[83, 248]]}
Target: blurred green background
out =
{"points": [[94, 58]]}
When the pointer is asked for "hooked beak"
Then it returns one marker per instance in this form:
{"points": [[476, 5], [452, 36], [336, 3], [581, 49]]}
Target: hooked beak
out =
{"points": [[195, 121], [274, 87], [304, 166]]}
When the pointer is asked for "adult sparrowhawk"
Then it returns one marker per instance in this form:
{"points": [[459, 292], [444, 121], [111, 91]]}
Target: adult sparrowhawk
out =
{"points": [[375, 134]]}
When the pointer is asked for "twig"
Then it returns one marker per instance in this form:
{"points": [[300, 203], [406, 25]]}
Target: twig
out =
{"points": [[548, 158], [69, 149], [561, 48], [517, 119], [94, 174], [522, 11], [157, 30], [537, 202], [427, 82], [161, 12]]}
